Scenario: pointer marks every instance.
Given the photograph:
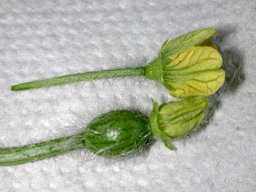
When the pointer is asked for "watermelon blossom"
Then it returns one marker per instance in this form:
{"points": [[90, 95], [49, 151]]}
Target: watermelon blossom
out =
{"points": [[189, 65]]}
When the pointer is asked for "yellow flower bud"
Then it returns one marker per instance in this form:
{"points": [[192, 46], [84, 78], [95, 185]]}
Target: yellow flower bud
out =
{"points": [[189, 65], [177, 119]]}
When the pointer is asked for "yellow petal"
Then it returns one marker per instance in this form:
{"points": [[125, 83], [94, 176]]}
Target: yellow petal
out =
{"points": [[177, 119], [197, 58], [194, 72], [201, 83], [184, 128]]}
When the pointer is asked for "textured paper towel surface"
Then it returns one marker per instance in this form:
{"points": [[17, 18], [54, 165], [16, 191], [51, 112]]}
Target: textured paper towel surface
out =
{"points": [[41, 39]]}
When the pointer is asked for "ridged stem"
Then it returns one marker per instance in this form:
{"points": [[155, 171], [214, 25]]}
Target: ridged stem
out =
{"points": [[79, 77], [38, 151]]}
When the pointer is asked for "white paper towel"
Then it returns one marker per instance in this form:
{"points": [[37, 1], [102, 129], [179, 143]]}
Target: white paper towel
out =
{"points": [[40, 39]]}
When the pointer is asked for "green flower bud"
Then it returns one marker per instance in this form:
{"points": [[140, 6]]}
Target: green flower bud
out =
{"points": [[116, 133], [177, 119], [189, 65]]}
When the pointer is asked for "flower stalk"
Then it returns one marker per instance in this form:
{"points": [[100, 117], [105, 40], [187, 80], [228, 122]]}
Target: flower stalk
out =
{"points": [[34, 152], [66, 79]]}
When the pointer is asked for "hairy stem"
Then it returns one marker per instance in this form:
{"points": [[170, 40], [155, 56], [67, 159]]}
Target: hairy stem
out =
{"points": [[80, 77], [34, 152]]}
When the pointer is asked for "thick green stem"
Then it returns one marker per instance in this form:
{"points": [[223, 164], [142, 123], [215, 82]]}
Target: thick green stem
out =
{"points": [[80, 77], [34, 152]]}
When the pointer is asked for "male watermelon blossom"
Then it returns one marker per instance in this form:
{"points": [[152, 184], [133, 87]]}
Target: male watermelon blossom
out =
{"points": [[188, 70], [118, 133], [189, 65]]}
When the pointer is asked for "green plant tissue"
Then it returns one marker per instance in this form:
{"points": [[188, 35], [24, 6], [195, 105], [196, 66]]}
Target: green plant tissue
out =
{"points": [[41, 39]]}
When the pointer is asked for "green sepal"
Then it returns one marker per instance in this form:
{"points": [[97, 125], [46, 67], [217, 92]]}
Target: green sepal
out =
{"points": [[153, 120], [156, 132], [167, 142]]}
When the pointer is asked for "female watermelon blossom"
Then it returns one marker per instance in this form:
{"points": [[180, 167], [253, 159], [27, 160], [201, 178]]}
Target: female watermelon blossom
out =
{"points": [[118, 133], [189, 65]]}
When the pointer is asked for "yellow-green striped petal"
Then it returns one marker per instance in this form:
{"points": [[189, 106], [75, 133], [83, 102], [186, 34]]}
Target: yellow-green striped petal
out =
{"points": [[194, 72], [177, 119]]}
